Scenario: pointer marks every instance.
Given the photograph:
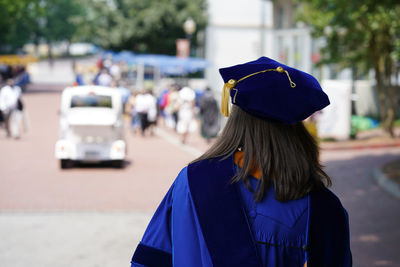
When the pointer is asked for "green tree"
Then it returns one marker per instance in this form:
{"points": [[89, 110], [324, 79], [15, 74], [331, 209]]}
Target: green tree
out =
{"points": [[361, 34], [23, 21], [150, 26], [14, 32], [61, 17], [59, 20]]}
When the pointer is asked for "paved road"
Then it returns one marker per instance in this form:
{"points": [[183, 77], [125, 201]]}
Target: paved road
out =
{"points": [[94, 216], [34, 181], [374, 214]]}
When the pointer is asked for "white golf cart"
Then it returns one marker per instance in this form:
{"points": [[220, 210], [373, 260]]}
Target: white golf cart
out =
{"points": [[91, 126]]}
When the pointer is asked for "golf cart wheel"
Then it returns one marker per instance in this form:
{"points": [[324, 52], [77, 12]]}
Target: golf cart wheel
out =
{"points": [[118, 164], [65, 163]]}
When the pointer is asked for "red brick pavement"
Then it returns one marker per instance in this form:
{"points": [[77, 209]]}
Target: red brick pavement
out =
{"points": [[30, 177]]}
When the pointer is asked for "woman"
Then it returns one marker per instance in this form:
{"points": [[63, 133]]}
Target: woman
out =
{"points": [[258, 196]]}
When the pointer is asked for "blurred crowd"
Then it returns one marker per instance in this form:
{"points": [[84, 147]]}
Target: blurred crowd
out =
{"points": [[177, 107]]}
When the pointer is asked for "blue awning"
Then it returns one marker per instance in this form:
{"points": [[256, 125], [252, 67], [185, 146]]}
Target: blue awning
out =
{"points": [[168, 65]]}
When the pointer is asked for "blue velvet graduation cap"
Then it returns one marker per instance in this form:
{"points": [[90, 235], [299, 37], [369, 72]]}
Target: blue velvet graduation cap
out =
{"points": [[268, 89]]}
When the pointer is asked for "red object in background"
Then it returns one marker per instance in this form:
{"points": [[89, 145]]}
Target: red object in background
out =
{"points": [[182, 48], [100, 63], [315, 57], [164, 101]]}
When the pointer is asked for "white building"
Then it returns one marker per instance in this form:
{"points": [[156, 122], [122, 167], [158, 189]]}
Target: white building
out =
{"points": [[240, 31]]}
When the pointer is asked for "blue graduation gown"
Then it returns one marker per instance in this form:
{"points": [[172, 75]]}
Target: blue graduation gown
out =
{"points": [[279, 229], [205, 220]]}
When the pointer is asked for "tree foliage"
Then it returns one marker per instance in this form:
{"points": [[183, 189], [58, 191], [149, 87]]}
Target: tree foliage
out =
{"points": [[13, 27], [23, 21], [150, 26], [361, 34], [61, 19]]}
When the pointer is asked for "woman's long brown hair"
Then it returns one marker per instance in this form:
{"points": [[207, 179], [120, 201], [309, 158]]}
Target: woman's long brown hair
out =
{"points": [[287, 155]]}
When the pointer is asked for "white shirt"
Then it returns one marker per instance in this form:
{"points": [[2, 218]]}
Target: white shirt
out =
{"points": [[141, 103], [187, 96], [152, 114], [146, 103], [115, 71], [105, 79], [9, 97]]}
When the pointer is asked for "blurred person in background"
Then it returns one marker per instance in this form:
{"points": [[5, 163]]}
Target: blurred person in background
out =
{"points": [[104, 79], [19, 117], [124, 67], [162, 102], [130, 109], [142, 109], [22, 78], [258, 196], [78, 71], [209, 116], [186, 116], [6, 72], [79, 79], [107, 61], [173, 105], [125, 92], [146, 107], [115, 71], [10, 102], [3, 72], [153, 112], [99, 64]]}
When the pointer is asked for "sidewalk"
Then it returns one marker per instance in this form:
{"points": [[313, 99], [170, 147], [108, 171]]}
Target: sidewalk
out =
{"points": [[68, 239], [388, 177], [376, 142], [365, 140]]}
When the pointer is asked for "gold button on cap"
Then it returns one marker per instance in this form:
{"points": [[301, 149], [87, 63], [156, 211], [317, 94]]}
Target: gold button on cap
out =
{"points": [[280, 69], [232, 81]]}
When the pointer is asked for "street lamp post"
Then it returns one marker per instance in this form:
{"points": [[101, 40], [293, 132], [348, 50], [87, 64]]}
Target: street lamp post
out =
{"points": [[189, 26]]}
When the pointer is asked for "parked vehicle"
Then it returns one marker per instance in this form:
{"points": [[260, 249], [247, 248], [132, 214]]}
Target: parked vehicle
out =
{"points": [[91, 126]]}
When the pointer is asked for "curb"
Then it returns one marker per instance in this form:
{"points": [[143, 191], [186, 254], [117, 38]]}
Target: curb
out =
{"points": [[176, 142], [360, 147], [387, 184]]}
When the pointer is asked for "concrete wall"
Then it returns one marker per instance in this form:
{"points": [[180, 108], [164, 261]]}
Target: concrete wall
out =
{"points": [[235, 34], [241, 31]]}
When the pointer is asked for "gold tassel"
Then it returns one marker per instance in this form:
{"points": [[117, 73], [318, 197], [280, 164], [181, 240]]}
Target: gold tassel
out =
{"points": [[226, 96]]}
